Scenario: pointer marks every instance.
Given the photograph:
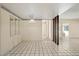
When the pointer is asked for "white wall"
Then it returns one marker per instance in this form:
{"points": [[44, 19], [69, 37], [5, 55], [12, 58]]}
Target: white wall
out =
{"points": [[5, 32], [73, 40], [47, 29], [39, 30], [51, 29], [73, 27], [32, 31], [8, 41]]}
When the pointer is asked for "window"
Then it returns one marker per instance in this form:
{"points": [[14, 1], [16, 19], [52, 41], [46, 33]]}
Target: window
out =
{"points": [[66, 28]]}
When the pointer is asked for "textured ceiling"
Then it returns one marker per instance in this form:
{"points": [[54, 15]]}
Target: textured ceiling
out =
{"points": [[72, 13], [37, 10]]}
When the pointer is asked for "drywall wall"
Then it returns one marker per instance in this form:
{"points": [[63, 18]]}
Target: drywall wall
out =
{"points": [[32, 30], [9, 31], [73, 27], [5, 32], [47, 29], [0, 31], [72, 41], [37, 30]]}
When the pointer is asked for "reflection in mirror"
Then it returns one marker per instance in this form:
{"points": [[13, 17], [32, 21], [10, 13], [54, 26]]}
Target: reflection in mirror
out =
{"points": [[69, 29]]}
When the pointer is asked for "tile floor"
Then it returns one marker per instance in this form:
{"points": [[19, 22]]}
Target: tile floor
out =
{"points": [[39, 48]]}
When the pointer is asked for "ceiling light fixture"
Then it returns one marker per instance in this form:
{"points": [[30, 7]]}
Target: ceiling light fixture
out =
{"points": [[31, 19]]}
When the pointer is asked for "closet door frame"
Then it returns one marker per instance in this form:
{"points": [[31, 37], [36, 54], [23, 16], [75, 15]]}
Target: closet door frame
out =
{"points": [[56, 29]]}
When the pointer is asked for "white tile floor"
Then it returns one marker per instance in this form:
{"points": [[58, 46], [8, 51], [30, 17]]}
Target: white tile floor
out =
{"points": [[39, 48]]}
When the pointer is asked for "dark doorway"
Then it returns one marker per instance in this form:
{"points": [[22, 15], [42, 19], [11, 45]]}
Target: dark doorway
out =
{"points": [[56, 29]]}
